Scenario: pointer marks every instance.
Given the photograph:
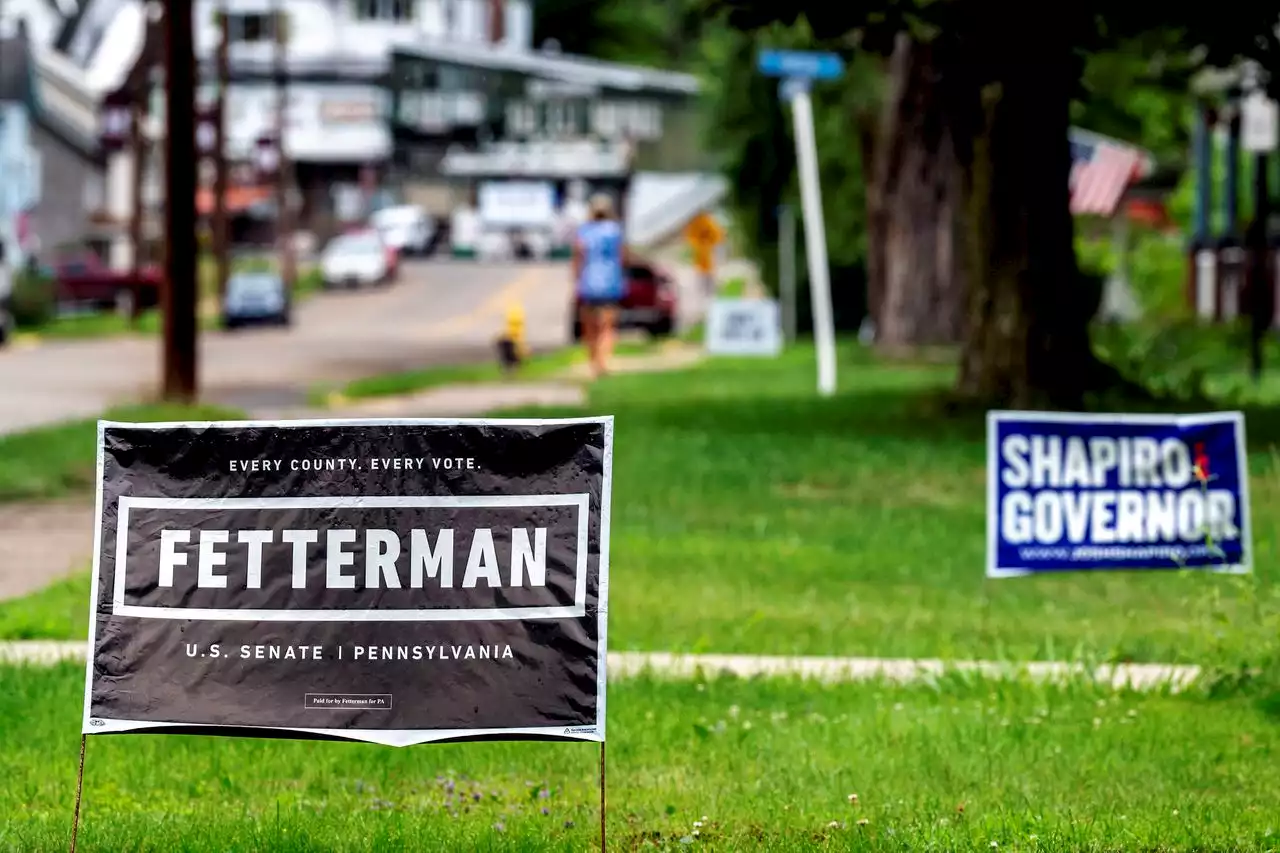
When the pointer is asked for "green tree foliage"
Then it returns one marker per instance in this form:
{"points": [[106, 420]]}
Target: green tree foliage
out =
{"points": [[1012, 70], [1139, 91], [665, 33]]}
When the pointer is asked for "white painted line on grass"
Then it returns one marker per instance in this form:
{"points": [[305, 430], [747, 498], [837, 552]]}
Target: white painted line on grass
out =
{"points": [[1136, 676]]}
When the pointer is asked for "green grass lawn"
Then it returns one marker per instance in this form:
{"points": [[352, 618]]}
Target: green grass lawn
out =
{"points": [[60, 610], [787, 524], [725, 765], [849, 526], [107, 323], [55, 461]]}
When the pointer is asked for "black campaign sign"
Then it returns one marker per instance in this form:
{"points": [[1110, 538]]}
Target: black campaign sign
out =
{"points": [[396, 582]]}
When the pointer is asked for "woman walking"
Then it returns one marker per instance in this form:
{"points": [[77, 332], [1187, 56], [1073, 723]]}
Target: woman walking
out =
{"points": [[599, 264]]}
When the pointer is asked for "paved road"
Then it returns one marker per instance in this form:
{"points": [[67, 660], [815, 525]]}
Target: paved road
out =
{"points": [[440, 312]]}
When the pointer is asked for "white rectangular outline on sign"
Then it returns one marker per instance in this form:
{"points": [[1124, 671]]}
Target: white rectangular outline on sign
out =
{"points": [[575, 611], [997, 417], [399, 737]]}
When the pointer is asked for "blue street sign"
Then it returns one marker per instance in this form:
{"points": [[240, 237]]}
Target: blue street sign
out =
{"points": [[797, 63]]}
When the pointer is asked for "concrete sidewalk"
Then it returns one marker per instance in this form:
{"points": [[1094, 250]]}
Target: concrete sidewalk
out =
{"points": [[1153, 676]]}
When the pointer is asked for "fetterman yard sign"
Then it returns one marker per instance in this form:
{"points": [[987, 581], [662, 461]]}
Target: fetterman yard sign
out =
{"points": [[388, 581]]}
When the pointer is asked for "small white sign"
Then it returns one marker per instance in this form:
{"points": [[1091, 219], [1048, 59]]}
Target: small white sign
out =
{"points": [[517, 204], [744, 327], [1259, 123]]}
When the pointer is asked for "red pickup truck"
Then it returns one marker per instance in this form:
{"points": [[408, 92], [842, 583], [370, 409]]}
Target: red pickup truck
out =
{"points": [[82, 278]]}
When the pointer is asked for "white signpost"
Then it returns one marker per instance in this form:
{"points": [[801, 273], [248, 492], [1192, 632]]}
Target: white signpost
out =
{"points": [[787, 270], [1259, 127], [798, 70], [744, 327]]}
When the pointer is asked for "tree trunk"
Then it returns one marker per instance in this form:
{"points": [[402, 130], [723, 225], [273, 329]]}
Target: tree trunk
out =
{"points": [[872, 151], [920, 193], [1027, 342]]}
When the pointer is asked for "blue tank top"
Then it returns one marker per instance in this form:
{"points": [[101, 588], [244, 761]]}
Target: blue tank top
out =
{"points": [[601, 246]]}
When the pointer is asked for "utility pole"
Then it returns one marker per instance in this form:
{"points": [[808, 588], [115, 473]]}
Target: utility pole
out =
{"points": [[180, 205], [284, 171], [138, 144], [221, 236]]}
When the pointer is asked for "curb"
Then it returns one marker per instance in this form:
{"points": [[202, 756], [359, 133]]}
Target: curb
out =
{"points": [[1153, 676]]}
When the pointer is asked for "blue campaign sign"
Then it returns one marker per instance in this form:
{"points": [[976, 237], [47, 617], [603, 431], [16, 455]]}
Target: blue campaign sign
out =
{"points": [[801, 64], [1073, 492]]}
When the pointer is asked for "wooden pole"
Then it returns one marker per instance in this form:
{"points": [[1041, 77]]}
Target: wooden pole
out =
{"points": [[603, 802], [221, 236], [138, 144], [284, 172], [180, 300], [75, 820], [497, 21]]}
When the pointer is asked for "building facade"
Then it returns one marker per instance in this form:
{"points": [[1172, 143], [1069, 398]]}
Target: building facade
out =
{"points": [[336, 57], [374, 91], [459, 114]]}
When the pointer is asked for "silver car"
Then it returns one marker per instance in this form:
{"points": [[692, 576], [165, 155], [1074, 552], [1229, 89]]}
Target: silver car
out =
{"points": [[255, 298]]}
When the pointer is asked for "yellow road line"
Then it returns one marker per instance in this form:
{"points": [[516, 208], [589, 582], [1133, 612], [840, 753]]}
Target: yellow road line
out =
{"points": [[492, 307]]}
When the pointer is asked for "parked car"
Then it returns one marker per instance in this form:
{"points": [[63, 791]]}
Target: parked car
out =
{"points": [[407, 227], [254, 298], [393, 254], [81, 277], [355, 260], [649, 303]]}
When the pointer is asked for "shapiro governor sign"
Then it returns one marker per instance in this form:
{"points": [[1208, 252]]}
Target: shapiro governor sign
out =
{"points": [[388, 581]]}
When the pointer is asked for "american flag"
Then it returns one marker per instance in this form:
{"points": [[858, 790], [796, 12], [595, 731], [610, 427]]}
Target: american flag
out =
{"points": [[1101, 170]]}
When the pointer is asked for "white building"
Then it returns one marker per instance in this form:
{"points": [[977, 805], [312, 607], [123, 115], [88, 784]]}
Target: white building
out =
{"points": [[387, 84], [336, 55]]}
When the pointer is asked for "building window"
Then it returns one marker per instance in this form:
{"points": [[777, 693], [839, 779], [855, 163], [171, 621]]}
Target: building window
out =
{"points": [[384, 10], [252, 27]]}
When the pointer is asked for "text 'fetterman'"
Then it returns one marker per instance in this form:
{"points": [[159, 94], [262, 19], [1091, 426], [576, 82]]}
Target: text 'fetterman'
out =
{"points": [[353, 559]]}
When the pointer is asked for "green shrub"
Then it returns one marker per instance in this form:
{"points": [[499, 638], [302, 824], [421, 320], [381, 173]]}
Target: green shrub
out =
{"points": [[1157, 266], [35, 299], [1158, 272]]}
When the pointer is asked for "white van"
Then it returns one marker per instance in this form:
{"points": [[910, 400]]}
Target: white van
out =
{"points": [[407, 228]]}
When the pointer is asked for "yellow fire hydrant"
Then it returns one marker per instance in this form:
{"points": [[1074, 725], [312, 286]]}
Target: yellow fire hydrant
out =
{"points": [[513, 348]]}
